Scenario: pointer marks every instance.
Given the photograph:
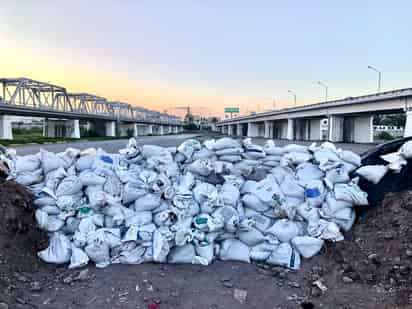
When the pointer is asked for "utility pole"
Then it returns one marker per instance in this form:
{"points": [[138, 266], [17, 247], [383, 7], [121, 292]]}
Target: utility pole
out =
{"points": [[379, 76]]}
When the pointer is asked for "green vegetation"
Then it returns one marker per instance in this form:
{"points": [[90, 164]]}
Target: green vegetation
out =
{"points": [[385, 136], [23, 136], [390, 120]]}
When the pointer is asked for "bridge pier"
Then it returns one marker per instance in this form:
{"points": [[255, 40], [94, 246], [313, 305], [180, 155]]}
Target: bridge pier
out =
{"points": [[268, 129], [110, 128], [6, 131], [408, 124], [358, 129], [335, 124], [252, 129], [61, 128], [290, 131]]}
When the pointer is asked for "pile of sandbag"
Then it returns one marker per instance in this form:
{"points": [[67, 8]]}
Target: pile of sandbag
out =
{"points": [[220, 199]]}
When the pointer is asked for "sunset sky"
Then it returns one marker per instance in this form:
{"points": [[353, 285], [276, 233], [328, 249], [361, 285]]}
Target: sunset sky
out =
{"points": [[209, 54]]}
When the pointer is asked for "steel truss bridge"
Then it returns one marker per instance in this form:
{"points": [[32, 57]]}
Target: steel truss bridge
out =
{"points": [[28, 97]]}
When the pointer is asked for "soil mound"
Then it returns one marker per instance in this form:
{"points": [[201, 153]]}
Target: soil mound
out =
{"points": [[378, 251]]}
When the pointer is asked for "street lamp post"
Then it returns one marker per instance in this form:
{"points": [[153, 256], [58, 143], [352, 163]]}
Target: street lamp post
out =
{"points": [[379, 76], [326, 90], [294, 96]]}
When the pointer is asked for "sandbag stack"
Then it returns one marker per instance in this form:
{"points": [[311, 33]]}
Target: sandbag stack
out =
{"points": [[195, 203]]}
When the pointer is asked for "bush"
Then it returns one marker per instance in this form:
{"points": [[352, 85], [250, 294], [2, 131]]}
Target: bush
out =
{"points": [[385, 136], [190, 127], [129, 132], [89, 132]]}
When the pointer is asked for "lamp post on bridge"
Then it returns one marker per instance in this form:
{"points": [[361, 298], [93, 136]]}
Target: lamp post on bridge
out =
{"points": [[379, 76], [294, 96], [326, 90]]}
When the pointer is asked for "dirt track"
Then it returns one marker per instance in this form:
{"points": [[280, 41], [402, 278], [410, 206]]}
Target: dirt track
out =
{"points": [[368, 270]]}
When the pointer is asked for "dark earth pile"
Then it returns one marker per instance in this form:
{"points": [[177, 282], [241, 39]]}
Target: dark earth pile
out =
{"points": [[370, 269]]}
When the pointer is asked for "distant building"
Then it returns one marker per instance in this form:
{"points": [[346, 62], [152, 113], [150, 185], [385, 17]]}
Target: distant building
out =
{"points": [[395, 131]]}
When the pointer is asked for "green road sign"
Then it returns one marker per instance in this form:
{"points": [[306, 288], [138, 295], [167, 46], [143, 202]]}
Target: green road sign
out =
{"points": [[232, 110]]}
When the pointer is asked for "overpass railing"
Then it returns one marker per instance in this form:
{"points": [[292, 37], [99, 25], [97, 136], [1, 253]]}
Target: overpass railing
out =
{"points": [[25, 92]]}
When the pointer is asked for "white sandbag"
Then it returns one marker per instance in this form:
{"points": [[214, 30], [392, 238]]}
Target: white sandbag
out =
{"points": [[337, 174], [182, 255], [332, 205], [351, 193], [161, 247], [225, 142], [350, 157], [284, 230], [201, 167], [69, 186], [344, 218], [396, 161], [262, 251], [285, 255], [90, 178], [315, 193], [147, 202], [229, 151], [308, 171], [325, 155], [28, 163], [132, 256], [251, 237], [295, 158], [50, 161], [85, 163], [290, 187], [30, 178], [268, 190], [99, 252], [325, 230], [59, 250], [307, 246], [406, 150], [78, 259], [372, 173], [230, 158], [270, 149], [188, 147], [139, 218], [253, 202], [132, 192], [229, 194], [261, 222], [295, 148], [234, 250]]}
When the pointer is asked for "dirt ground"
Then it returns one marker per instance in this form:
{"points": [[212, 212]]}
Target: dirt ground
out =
{"points": [[370, 269]]}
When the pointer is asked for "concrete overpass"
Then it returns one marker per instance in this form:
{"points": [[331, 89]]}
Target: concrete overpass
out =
{"points": [[63, 111], [345, 120]]}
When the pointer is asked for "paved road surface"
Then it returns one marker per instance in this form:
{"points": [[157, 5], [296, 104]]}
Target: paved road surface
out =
{"points": [[166, 141], [111, 146]]}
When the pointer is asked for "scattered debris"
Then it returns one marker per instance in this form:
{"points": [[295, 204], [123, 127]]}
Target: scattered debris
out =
{"points": [[240, 295]]}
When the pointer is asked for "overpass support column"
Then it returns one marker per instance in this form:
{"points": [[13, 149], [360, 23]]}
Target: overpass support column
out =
{"points": [[75, 129], [161, 129], [290, 134], [408, 124], [150, 129], [239, 130], [6, 131], [176, 129], [335, 124], [268, 129], [230, 130], [110, 128], [363, 129], [252, 129]]}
